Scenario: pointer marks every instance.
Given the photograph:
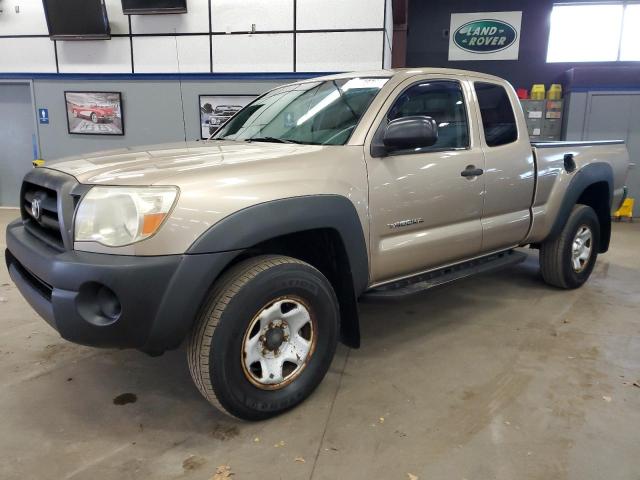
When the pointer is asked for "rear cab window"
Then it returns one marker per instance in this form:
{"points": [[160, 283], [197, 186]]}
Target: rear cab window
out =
{"points": [[498, 119]]}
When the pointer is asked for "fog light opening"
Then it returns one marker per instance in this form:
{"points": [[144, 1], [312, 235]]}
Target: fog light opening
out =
{"points": [[109, 304], [98, 304]]}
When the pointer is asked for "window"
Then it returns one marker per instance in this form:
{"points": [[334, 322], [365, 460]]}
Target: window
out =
{"points": [[498, 120], [630, 43], [444, 102], [605, 32], [315, 113]]}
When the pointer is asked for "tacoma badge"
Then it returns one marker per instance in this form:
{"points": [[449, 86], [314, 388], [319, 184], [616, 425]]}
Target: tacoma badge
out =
{"points": [[405, 223]]}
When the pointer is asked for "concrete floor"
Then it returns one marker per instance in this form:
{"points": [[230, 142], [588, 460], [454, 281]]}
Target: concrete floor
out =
{"points": [[496, 377]]}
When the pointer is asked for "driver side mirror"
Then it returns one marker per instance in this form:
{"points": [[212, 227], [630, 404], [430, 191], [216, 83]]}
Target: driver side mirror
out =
{"points": [[407, 133]]}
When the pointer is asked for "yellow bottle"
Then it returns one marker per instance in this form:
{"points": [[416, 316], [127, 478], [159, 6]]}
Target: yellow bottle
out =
{"points": [[555, 92], [538, 91]]}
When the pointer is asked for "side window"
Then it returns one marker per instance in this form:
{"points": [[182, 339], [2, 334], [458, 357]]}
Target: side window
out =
{"points": [[444, 102], [497, 114]]}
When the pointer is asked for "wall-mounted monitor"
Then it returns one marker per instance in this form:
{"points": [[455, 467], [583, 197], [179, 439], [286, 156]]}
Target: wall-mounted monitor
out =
{"points": [[77, 19], [153, 7]]}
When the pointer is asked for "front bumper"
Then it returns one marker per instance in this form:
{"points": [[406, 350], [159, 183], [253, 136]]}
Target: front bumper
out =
{"points": [[158, 296]]}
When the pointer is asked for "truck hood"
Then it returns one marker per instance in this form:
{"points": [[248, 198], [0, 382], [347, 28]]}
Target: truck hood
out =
{"points": [[217, 179], [165, 164]]}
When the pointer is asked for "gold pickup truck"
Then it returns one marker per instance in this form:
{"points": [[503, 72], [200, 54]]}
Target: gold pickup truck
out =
{"points": [[255, 246]]}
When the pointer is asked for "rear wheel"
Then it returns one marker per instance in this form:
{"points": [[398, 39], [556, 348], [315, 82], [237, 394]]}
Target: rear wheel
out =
{"points": [[94, 118], [265, 337], [567, 260]]}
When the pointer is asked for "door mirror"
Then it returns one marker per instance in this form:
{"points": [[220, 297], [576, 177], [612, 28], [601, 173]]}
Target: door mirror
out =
{"points": [[410, 133]]}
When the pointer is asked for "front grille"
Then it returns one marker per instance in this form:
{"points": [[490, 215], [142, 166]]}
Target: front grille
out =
{"points": [[48, 200], [44, 222]]}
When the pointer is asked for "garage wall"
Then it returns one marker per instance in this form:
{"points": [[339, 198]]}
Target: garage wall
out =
{"points": [[608, 115], [154, 111], [428, 46], [16, 139], [214, 36]]}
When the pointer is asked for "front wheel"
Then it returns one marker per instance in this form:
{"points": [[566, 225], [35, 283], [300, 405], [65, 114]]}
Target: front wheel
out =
{"points": [[265, 337], [567, 260], [94, 118]]}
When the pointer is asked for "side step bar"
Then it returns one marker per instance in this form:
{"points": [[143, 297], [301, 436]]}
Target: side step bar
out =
{"points": [[435, 278]]}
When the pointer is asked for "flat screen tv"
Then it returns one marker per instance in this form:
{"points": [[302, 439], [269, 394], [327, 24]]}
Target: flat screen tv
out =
{"points": [[150, 7], [77, 19]]}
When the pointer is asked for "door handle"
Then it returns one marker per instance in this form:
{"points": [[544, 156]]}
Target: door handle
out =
{"points": [[472, 171]]}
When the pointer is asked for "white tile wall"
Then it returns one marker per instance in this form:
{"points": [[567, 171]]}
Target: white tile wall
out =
{"points": [[253, 53], [238, 16], [95, 56], [171, 54], [388, 26], [388, 29], [27, 55], [341, 51], [195, 21], [387, 53], [30, 20], [332, 14], [118, 22], [231, 53]]}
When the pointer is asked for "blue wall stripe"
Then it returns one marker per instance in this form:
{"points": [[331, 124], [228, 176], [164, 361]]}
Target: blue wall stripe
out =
{"points": [[166, 76], [607, 88]]}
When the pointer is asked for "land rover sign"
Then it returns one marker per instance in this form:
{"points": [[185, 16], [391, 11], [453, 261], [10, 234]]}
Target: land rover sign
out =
{"points": [[485, 36]]}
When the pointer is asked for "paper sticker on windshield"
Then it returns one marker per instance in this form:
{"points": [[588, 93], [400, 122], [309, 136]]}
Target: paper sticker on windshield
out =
{"points": [[365, 83], [289, 120]]}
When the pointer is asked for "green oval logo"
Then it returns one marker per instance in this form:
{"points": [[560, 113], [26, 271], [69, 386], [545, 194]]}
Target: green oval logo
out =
{"points": [[485, 36]]}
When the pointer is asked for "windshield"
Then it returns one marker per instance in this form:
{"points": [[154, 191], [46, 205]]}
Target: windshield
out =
{"points": [[317, 113]]}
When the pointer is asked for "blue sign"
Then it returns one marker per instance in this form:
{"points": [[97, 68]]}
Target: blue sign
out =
{"points": [[43, 115]]}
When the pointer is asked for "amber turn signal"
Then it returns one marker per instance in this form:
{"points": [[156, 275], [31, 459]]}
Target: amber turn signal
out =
{"points": [[151, 222]]}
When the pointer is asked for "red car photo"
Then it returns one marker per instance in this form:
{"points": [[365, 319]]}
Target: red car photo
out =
{"points": [[95, 113]]}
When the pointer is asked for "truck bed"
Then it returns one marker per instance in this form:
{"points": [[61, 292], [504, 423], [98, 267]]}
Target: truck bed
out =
{"points": [[552, 166], [558, 164]]}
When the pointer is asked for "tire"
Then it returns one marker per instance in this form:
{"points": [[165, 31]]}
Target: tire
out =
{"points": [[217, 348], [558, 264], [75, 114], [94, 118]]}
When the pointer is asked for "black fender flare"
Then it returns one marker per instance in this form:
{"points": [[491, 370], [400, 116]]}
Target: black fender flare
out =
{"points": [[265, 221], [585, 177]]}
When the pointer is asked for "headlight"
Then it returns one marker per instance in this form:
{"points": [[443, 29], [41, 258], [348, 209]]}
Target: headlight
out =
{"points": [[118, 216]]}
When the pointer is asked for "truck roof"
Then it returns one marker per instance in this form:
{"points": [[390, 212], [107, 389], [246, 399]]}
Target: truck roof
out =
{"points": [[401, 73]]}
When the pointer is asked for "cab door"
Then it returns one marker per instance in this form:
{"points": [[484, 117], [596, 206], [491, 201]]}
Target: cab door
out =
{"points": [[425, 208], [509, 175]]}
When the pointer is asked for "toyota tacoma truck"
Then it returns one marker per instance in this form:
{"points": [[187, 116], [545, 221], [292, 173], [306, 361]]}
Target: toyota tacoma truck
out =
{"points": [[254, 247]]}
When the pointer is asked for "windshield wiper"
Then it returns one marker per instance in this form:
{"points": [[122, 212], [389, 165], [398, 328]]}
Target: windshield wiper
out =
{"points": [[272, 140]]}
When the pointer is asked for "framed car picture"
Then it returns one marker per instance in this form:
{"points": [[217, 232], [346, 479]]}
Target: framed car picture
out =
{"points": [[94, 113], [217, 109]]}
